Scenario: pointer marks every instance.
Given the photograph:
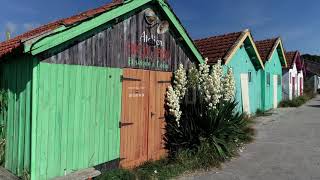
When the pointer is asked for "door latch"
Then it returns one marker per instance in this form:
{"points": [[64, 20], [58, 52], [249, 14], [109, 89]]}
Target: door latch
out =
{"points": [[121, 124], [153, 114]]}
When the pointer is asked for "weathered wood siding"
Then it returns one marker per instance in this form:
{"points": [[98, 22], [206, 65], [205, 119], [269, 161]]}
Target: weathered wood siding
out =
{"points": [[15, 78], [127, 44], [76, 113]]}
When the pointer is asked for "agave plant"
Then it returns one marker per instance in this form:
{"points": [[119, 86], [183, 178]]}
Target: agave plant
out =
{"points": [[221, 128], [207, 122]]}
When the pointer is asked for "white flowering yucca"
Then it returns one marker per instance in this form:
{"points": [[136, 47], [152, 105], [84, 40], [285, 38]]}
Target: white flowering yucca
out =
{"points": [[228, 83], [193, 77], [180, 81], [173, 102], [204, 70], [213, 86], [218, 71]]}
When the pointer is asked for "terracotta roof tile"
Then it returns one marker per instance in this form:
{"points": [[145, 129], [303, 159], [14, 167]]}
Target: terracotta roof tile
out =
{"points": [[290, 56], [9, 46], [217, 47], [265, 47]]}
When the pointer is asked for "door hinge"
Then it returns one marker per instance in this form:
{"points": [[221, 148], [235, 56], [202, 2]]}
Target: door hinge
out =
{"points": [[121, 124], [128, 79], [164, 81]]}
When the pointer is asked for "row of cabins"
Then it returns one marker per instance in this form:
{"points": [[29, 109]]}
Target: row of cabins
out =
{"points": [[89, 90], [264, 73]]}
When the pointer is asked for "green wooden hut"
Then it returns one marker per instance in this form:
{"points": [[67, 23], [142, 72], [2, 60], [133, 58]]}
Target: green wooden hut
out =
{"points": [[238, 51], [273, 56], [88, 90]]}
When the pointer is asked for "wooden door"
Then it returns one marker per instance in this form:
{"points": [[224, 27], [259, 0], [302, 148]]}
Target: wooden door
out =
{"points": [[142, 120], [301, 86], [159, 82], [245, 93], [293, 87], [134, 118], [275, 91]]}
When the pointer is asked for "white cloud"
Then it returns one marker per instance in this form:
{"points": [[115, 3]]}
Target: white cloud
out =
{"points": [[257, 21], [30, 26], [11, 27]]}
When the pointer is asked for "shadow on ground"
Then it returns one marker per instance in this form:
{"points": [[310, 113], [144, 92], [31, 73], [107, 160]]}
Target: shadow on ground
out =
{"points": [[314, 106]]}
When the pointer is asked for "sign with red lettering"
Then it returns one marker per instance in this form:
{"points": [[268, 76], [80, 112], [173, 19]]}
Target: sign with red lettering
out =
{"points": [[149, 52]]}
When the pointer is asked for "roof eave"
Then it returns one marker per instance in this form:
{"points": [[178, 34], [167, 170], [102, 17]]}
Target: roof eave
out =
{"points": [[274, 48], [245, 34], [283, 54]]}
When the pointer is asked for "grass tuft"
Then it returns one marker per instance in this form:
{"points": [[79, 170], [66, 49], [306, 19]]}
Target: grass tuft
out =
{"points": [[117, 174], [296, 102]]}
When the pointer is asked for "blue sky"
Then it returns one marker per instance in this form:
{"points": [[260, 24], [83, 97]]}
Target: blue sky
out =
{"points": [[296, 22]]}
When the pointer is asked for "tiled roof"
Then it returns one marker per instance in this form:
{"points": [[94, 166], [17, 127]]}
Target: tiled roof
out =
{"points": [[290, 56], [217, 47], [7, 47], [265, 47]]}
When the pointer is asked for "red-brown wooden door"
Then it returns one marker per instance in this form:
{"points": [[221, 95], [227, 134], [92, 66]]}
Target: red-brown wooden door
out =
{"points": [[159, 82], [134, 117], [142, 121]]}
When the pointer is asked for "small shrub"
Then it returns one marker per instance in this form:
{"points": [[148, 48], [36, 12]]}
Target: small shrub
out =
{"points": [[162, 169], [26, 175], [3, 109], [3, 101], [2, 151], [296, 102]]}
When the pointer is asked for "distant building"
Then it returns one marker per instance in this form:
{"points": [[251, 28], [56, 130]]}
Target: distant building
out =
{"points": [[312, 75], [292, 76]]}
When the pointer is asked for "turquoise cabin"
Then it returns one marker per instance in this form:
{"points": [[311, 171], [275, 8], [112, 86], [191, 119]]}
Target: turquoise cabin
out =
{"points": [[238, 51], [272, 53]]}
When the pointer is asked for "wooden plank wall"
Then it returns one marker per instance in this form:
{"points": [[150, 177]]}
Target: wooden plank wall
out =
{"points": [[125, 45], [76, 125], [16, 79]]}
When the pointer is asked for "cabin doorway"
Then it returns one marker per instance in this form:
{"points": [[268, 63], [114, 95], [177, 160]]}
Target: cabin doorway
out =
{"points": [[301, 86], [275, 91], [143, 116], [293, 87], [245, 93]]}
